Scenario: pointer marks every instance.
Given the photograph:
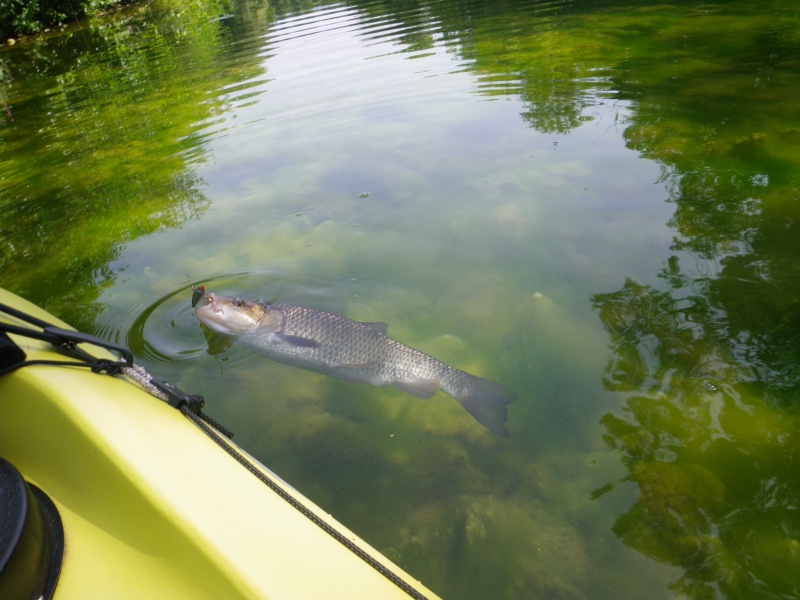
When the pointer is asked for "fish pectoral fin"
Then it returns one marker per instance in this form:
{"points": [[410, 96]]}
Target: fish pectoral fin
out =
{"points": [[421, 388], [296, 340], [378, 326]]}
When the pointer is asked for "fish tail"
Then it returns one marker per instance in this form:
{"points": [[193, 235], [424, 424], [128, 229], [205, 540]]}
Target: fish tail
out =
{"points": [[485, 400]]}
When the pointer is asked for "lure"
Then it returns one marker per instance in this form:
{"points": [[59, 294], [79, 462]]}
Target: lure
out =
{"points": [[198, 294]]}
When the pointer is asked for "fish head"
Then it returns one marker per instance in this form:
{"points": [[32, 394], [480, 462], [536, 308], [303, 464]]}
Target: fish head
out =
{"points": [[229, 316]]}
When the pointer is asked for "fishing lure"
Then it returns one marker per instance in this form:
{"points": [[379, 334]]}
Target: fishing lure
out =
{"points": [[197, 295]]}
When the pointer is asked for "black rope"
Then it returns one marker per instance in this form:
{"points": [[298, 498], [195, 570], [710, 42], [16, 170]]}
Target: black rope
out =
{"points": [[66, 340], [304, 510], [96, 366], [215, 424]]}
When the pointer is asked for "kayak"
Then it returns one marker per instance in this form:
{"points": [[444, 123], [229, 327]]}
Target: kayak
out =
{"points": [[111, 492]]}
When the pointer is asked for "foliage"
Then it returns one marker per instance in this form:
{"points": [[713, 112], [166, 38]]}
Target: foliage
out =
{"points": [[22, 17]]}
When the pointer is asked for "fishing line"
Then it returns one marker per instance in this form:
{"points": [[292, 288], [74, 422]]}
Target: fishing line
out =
{"points": [[77, 20]]}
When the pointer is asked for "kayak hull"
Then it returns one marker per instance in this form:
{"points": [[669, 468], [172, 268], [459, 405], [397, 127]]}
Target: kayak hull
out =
{"points": [[152, 508]]}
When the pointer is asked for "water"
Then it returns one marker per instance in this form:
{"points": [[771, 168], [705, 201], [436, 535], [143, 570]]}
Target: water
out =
{"points": [[593, 205]]}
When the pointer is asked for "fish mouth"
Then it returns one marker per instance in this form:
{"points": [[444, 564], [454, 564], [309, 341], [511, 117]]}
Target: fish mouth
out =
{"points": [[228, 316], [211, 313], [209, 302], [208, 307]]}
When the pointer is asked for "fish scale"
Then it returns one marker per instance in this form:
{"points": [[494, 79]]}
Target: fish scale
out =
{"points": [[360, 346], [327, 343]]}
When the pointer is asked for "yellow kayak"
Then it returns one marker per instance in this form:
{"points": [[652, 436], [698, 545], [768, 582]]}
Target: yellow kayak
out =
{"points": [[129, 498]]}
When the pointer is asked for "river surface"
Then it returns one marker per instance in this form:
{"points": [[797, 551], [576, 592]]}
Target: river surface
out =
{"points": [[596, 204]]}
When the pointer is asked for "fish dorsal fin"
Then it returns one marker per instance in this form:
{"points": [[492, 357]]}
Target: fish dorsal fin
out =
{"points": [[378, 326], [421, 388], [296, 340]]}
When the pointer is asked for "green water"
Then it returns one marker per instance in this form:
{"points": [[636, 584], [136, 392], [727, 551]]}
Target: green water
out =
{"points": [[595, 204]]}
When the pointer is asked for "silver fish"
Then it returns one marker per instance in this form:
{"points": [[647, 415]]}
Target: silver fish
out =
{"points": [[333, 345]]}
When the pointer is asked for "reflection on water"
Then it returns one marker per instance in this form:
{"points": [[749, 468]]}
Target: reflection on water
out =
{"points": [[594, 205]]}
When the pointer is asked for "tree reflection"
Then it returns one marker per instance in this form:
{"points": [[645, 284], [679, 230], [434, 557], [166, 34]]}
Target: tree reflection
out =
{"points": [[715, 465], [104, 156], [709, 360]]}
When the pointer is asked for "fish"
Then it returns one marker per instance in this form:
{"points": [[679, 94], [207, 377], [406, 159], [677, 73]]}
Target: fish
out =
{"points": [[339, 347]]}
